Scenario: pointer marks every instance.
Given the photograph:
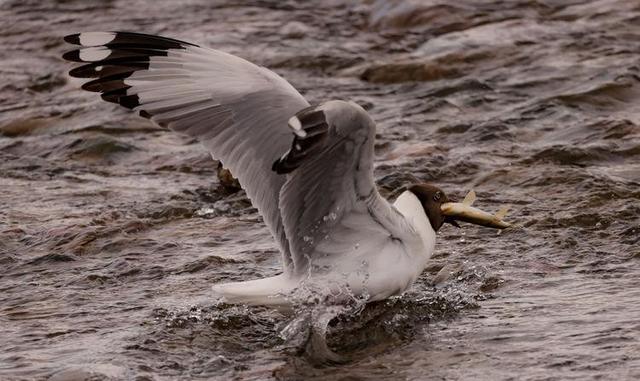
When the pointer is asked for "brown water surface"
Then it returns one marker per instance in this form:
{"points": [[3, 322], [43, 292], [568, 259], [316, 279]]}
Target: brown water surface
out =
{"points": [[112, 231]]}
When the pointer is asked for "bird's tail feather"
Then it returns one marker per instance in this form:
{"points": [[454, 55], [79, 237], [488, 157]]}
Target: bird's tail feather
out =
{"points": [[263, 292]]}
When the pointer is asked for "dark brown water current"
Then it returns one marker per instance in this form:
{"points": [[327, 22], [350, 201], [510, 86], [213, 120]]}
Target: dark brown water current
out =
{"points": [[112, 231]]}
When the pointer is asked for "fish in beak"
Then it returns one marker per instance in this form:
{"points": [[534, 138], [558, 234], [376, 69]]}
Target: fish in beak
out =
{"points": [[463, 211]]}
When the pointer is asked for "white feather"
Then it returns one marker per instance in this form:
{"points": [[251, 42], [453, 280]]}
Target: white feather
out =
{"points": [[96, 38], [94, 54]]}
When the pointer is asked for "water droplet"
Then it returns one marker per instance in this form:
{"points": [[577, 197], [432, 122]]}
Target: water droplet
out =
{"points": [[206, 211], [330, 217]]}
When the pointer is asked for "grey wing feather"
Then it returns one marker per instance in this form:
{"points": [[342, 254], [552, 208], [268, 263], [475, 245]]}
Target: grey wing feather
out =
{"points": [[237, 110], [329, 175]]}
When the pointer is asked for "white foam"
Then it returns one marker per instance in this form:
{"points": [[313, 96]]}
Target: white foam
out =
{"points": [[96, 38]]}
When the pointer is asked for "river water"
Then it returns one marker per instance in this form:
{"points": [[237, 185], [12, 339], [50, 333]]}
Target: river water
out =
{"points": [[112, 231]]}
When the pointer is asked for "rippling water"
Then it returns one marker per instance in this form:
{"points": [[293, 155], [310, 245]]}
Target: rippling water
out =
{"points": [[112, 231]]}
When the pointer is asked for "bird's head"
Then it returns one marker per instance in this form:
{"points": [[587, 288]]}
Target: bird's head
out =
{"points": [[439, 209]]}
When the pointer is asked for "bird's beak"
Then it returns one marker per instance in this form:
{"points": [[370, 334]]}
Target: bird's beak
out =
{"points": [[463, 211]]}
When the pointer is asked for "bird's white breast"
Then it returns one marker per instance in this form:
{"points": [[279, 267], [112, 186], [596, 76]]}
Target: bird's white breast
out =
{"points": [[382, 256], [411, 208]]}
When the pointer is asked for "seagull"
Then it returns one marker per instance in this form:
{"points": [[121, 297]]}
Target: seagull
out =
{"points": [[308, 169]]}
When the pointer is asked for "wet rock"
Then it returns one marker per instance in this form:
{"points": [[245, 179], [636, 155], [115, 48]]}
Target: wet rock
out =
{"points": [[571, 155], [47, 82], [204, 263], [323, 63], [491, 284], [210, 194], [227, 181], [387, 14], [97, 278], [423, 66], [199, 163], [98, 147], [458, 128], [20, 127], [410, 71], [171, 212], [52, 258], [144, 377]]}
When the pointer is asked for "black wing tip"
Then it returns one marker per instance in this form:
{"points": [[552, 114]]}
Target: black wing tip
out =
{"points": [[120, 97], [114, 95], [73, 39], [112, 56], [73, 56], [276, 167], [129, 101], [129, 38]]}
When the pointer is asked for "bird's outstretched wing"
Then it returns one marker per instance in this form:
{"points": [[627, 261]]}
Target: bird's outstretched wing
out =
{"points": [[237, 110], [330, 204]]}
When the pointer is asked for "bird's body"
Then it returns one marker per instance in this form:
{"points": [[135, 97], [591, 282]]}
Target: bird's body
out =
{"points": [[307, 169], [363, 259]]}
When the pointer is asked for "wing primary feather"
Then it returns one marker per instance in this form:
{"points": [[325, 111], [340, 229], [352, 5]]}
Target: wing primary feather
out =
{"points": [[237, 110]]}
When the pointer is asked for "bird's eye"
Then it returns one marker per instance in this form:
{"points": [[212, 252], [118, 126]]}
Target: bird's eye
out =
{"points": [[437, 196]]}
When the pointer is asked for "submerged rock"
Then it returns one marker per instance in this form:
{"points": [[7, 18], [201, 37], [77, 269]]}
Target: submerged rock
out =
{"points": [[408, 71], [99, 146], [387, 14], [26, 126], [227, 181], [46, 82]]}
